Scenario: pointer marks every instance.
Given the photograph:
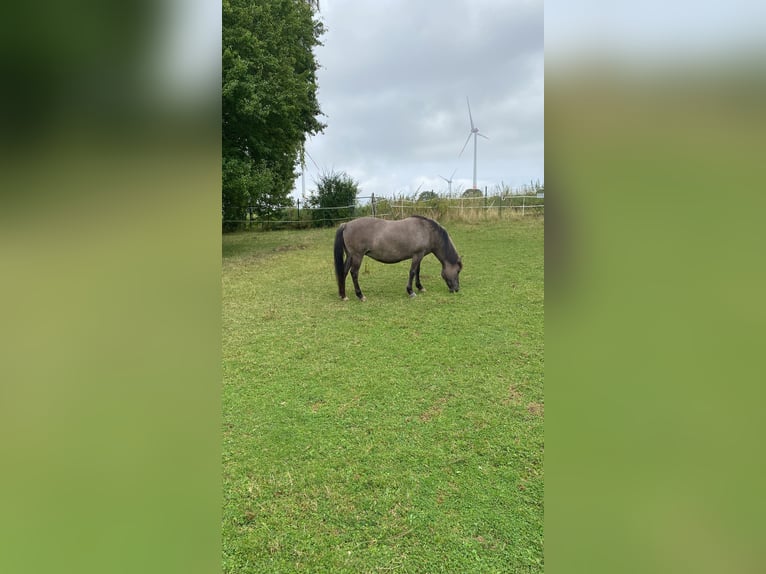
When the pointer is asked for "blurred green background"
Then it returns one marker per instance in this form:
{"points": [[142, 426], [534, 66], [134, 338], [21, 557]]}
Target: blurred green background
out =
{"points": [[654, 266], [110, 291]]}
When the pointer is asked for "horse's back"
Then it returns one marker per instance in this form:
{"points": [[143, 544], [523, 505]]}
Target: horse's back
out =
{"points": [[387, 241], [362, 230]]}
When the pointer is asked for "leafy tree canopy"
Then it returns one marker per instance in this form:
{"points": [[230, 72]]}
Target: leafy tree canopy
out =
{"points": [[269, 102]]}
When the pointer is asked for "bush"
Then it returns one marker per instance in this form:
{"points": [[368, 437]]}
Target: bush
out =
{"points": [[250, 191], [335, 199]]}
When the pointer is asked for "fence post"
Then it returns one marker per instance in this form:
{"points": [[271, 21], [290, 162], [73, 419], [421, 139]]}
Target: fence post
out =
{"points": [[372, 203], [299, 213], [523, 200]]}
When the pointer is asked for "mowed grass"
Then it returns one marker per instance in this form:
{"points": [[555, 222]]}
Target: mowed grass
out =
{"points": [[395, 435]]}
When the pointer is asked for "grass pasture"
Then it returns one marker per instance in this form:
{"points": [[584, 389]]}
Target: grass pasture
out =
{"points": [[395, 435]]}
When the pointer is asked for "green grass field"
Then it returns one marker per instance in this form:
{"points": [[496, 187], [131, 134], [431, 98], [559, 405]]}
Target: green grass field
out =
{"points": [[395, 435]]}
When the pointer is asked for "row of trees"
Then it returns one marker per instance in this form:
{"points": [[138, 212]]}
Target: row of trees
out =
{"points": [[269, 100]]}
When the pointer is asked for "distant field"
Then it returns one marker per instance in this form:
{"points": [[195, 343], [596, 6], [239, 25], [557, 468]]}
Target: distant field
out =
{"points": [[395, 435]]}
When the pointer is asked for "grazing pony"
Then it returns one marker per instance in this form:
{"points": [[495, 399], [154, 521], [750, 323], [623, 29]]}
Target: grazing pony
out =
{"points": [[391, 242]]}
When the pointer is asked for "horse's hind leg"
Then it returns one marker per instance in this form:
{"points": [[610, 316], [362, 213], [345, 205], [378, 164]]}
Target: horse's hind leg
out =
{"points": [[346, 267], [355, 264]]}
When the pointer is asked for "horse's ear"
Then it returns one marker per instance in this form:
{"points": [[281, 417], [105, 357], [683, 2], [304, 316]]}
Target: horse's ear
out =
{"points": [[460, 262]]}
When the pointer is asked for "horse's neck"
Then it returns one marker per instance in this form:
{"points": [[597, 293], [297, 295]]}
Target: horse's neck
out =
{"points": [[442, 248], [440, 252]]}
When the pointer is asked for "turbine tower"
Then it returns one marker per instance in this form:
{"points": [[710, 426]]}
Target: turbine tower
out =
{"points": [[303, 154], [303, 170], [474, 132], [449, 181]]}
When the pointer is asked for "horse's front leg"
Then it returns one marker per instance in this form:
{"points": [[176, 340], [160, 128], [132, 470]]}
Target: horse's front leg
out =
{"points": [[355, 265], [414, 271], [417, 279]]}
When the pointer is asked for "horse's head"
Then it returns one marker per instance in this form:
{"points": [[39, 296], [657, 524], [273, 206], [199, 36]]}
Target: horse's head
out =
{"points": [[450, 272]]}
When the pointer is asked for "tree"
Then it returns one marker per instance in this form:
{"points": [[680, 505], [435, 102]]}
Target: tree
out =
{"points": [[427, 195], [335, 198], [269, 102], [473, 193]]}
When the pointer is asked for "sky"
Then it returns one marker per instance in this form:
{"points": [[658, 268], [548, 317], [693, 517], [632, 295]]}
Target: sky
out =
{"points": [[393, 81]]}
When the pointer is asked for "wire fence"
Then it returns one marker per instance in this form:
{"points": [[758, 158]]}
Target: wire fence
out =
{"points": [[441, 208]]}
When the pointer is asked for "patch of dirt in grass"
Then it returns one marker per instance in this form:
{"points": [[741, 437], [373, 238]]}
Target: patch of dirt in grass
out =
{"points": [[434, 410], [345, 406], [514, 396], [271, 314], [535, 409], [282, 248], [249, 257], [316, 406]]}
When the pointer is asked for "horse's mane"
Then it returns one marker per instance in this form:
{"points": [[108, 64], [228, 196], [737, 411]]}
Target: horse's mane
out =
{"points": [[450, 253]]}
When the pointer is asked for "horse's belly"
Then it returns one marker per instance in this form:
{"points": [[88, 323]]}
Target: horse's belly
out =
{"points": [[387, 257]]}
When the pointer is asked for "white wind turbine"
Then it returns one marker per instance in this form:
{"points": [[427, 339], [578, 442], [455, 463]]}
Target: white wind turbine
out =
{"points": [[449, 181], [303, 170], [474, 132], [303, 154]]}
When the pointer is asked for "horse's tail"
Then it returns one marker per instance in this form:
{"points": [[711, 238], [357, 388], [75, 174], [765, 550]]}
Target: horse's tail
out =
{"points": [[338, 251]]}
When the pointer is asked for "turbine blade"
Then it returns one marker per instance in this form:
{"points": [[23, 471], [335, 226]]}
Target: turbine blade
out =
{"points": [[312, 160], [465, 144], [444, 178], [482, 135], [453, 174], [469, 111], [418, 189]]}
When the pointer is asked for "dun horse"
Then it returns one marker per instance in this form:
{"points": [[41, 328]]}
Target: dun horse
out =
{"points": [[391, 242]]}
